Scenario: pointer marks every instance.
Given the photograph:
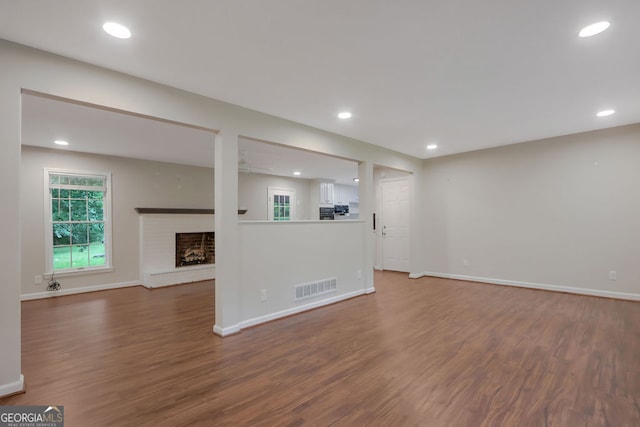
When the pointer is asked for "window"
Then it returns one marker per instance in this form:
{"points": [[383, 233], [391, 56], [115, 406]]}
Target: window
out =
{"points": [[282, 203], [78, 220]]}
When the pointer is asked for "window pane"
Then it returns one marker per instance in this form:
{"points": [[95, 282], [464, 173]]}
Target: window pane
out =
{"points": [[96, 233], [55, 192], [86, 181], [64, 180], [61, 234], [60, 209], [96, 254], [78, 210], [95, 210], [55, 208], [64, 194], [62, 257], [95, 195], [79, 234], [77, 180], [54, 179], [78, 194], [96, 182], [80, 256]]}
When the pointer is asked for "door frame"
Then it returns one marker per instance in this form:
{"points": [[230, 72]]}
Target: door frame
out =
{"points": [[291, 192], [380, 223]]}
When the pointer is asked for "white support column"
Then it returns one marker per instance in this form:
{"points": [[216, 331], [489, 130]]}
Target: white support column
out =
{"points": [[416, 214], [227, 234], [11, 380], [366, 189]]}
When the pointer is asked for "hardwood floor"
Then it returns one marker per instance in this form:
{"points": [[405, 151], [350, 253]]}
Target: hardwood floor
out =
{"points": [[426, 352]]}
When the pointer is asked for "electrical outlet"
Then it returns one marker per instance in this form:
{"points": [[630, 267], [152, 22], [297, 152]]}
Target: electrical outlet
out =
{"points": [[263, 295], [38, 279], [612, 275]]}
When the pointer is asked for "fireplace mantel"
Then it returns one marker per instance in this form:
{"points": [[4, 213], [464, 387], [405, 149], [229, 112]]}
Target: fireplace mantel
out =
{"points": [[180, 211]]}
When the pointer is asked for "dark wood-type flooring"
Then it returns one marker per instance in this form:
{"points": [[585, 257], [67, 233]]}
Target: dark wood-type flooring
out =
{"points": [[426, 352]]}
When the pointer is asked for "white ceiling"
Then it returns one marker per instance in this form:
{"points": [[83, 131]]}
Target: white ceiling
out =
{"points": [[100, 131], [464, 74]]}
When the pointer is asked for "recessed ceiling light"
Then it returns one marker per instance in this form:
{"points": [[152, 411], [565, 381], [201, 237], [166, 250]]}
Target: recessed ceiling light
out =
{"points": [[344, 115], [605, 113], [593, 29], [356, 179], [296, 173], [116, 30], [60, 142], [432, 147]]}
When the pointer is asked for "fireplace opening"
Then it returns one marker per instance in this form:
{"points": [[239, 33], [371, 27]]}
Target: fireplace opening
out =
{"points": [[195, 248]]}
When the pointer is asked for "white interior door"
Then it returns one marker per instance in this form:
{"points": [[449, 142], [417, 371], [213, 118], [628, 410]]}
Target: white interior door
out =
{"points": [[395, 225]]}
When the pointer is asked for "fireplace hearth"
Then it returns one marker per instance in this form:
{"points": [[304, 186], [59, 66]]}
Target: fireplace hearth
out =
{"points": [[195, 248]]}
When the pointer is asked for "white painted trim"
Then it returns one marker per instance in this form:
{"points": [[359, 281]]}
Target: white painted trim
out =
{"points": [[272, 191], [11, 388], [416, 275], [298, 309], [370, 290], [107, 219], [72, 291], [179, 276], [542, 286], [378, 268], [223, 332]]}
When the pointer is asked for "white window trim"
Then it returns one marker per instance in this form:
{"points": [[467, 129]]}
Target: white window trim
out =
{"points": [[271, 191], [48, 226]]}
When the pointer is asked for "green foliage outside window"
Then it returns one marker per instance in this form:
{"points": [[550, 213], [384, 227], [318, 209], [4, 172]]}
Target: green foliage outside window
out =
{"points": [[281, 208], [77, 221]]}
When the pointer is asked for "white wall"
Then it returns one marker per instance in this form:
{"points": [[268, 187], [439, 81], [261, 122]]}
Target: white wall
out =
{"points": [[278, 256], [558, 213], [34, 70], [252, 195], [135, 183]]}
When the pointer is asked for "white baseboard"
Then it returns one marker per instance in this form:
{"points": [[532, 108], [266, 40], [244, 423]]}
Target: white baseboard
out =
{"points": [[416, 275], [71, 291], [295, 310], [223, 332], [11, 388], [370, 290], [531, 285], [178, 276]]}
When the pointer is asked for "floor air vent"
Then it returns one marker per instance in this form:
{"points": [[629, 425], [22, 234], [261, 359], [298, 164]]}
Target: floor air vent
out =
{"points": [[312, 289]]}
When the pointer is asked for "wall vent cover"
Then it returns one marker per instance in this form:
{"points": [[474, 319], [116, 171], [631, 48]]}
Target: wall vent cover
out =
{"points": [[313, 289]]}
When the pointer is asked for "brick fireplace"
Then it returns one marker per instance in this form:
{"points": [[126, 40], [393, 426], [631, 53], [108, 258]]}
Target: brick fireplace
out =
{"points": [[161, 258], [195, 248]]}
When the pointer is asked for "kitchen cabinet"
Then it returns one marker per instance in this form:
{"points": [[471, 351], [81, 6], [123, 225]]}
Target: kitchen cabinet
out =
{"points": [[327, 193], [345, 194]]}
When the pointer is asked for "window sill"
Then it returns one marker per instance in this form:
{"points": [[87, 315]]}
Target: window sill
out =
{"points": [[83, 271]]}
